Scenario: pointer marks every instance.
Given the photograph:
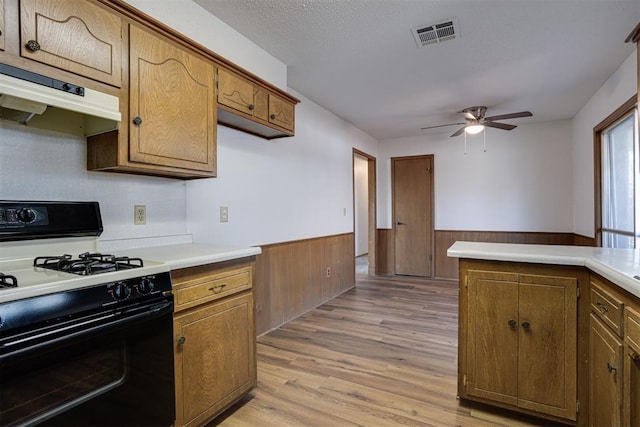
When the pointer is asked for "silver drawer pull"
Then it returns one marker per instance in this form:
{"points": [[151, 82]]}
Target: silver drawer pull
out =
{"points": [[217, 289], [603, 308]]}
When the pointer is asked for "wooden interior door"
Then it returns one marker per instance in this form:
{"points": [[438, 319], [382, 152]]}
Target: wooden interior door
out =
{"points": [[493, 336], [412, 179], [547, 310]]}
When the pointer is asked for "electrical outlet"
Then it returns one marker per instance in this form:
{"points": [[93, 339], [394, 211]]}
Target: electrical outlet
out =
{"points": [[328, 272], [140, 214], [224, 214]]}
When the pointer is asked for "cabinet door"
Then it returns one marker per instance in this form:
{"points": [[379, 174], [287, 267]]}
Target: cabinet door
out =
{"points": [[547, 309], [281, 113], [172, 106], [215, 362], [605, 375], [235, 92], [73, 35], [493, 336], [2, 30], [632, 388]]}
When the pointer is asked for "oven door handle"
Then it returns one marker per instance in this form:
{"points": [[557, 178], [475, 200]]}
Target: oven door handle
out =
{"points": [[81, 328]]}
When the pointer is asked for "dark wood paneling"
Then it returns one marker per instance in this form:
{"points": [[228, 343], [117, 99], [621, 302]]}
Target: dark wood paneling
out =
{"points": [[291, 277], [580, 240], [384, 251], [447, 268]]}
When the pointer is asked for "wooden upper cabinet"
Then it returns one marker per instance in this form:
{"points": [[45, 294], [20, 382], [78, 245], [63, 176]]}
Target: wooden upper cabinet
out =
{"points": [[172, 117], [2, 27], [73, 35], [235, 92], [281, 113], [248, 106]]}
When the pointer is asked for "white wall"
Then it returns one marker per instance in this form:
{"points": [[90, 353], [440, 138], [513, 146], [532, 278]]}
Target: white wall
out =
{"points": [[278, 190], [522, 182], [283, 189], [361, 203], [616, 91], [42, 165]]}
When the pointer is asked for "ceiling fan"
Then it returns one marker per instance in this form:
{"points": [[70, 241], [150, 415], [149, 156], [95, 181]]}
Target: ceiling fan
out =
{"points": [[476, 120]]}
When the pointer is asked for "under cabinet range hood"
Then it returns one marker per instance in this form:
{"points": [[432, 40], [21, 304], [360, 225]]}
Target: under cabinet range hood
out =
{"points": [[40, 101]]}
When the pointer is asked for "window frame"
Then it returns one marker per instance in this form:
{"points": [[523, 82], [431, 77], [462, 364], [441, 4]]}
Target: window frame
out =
{"points": [[617, 116]]}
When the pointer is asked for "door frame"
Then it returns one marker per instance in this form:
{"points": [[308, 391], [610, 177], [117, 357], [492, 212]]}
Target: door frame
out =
{"points": [[432, 213], [371, 206]]}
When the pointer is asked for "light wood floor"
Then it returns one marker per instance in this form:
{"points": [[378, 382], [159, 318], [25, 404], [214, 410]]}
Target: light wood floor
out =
{"points": [[381, 354]]}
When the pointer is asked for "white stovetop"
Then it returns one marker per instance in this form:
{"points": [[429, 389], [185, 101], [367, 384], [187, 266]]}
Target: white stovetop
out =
{"points": [[16, 258], [35, 281], [617, 265]]}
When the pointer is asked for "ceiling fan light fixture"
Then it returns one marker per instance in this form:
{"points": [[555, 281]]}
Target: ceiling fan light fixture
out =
{"points": [[474, 129]]}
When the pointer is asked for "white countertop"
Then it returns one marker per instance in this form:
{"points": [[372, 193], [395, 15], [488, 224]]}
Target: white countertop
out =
{"points": [[617, 265], [191, 254]]}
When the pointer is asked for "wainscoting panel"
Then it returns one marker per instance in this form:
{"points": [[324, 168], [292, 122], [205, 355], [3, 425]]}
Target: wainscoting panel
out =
{"points": [[293, 277], [384, 252], [447, 268]]}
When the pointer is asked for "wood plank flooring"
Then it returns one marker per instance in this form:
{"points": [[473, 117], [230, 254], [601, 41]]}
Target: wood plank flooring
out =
{"points": [[381, 354]]}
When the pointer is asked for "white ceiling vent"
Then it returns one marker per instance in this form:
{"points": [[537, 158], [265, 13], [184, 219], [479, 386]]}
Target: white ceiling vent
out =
{"points": [[436, 33]]}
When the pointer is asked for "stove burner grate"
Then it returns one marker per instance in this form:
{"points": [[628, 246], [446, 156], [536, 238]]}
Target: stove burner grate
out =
{"points": [[8, 281], [87, 263]]}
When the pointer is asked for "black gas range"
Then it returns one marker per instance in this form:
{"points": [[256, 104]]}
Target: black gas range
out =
{"points": [[85, 338]]}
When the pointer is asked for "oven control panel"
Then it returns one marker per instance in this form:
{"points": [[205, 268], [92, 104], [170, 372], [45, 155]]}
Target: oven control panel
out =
{"points": [[21, 216], [29, 220]]}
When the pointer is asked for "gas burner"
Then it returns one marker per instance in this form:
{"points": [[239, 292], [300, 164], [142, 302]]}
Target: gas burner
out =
{"points": [[87, 263], [8, 281]]}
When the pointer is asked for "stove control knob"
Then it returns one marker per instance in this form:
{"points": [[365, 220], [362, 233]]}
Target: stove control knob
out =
{"points": [[121, 291], [145, 286], [26, 215]]}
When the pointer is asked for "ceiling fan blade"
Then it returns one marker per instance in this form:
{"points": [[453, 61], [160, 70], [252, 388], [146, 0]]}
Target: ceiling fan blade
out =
{"points": [[496, 125], [509, 116], [439, 126], [458, 132]]}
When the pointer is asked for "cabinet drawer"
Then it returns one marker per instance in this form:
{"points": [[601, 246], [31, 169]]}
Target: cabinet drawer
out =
{"points": [[632, 328], [208, 288], [607, 307]]}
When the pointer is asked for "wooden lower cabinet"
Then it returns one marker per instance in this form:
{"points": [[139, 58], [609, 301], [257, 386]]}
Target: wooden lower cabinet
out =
{"points": [[215, 342], [518, 338], [605, 373], [614, 356]]}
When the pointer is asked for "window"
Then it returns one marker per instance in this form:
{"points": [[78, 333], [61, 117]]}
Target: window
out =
{"points": [[619, 152]]}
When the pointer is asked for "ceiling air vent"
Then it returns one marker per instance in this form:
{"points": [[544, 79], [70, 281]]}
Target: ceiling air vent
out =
{"points": [[435, 33]]}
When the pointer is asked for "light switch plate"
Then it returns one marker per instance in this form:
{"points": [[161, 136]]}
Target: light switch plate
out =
{"points": [[224, 214]]}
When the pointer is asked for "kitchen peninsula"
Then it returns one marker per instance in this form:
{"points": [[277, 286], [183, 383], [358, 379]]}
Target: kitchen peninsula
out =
{"points": [[551, 331]]}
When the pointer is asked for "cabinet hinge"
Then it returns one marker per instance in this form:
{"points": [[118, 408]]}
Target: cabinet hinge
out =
{"points": [[466, 281], [577, 406], [464, 380], [577, 292]]}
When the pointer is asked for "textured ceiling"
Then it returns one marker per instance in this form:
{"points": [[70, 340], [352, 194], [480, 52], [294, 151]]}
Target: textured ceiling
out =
{"points": [[358, 58]]}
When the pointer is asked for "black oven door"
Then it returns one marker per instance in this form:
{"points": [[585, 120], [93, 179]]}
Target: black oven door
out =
{"points": [[110, 369]]}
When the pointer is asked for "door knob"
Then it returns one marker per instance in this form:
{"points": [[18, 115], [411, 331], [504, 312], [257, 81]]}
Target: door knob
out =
{"points": [[526, 325], [512, 323]]}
